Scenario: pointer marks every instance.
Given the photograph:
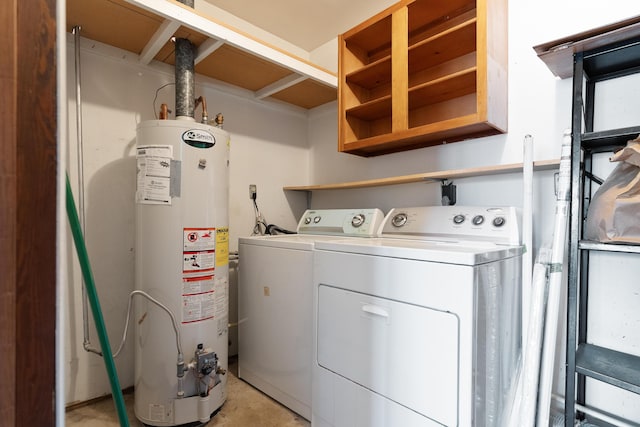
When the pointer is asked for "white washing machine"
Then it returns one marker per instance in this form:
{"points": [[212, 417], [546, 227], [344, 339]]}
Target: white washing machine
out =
{"points": [[275, 302], [420, 327]]}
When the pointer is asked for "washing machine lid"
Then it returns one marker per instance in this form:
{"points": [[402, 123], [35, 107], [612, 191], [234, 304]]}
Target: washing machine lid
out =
{"points": [[443, 251], [303, 242]]}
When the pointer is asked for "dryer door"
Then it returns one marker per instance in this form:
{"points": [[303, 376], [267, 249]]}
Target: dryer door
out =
{"points": [[404, 352]]}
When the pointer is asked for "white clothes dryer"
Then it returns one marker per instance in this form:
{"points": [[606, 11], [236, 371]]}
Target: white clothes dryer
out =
{"points": [[420, 327], [275, 302]]}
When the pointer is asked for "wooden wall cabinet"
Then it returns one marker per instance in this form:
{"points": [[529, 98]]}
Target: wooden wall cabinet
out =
{"points": [[421, 73]]}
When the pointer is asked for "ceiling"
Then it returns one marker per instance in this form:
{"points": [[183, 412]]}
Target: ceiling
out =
{"points": [[307, 24]]}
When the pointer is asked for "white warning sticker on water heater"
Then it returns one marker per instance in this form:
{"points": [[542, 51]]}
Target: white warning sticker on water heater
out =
{"points": [[198, 299], [153, 180], [196, 308]]}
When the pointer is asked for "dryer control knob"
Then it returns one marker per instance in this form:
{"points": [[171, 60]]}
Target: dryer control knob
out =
{"points": [[499, 221], [357, 220], [307, 220], [458, 219], [477, 220], [399, 220], [316, 219]]}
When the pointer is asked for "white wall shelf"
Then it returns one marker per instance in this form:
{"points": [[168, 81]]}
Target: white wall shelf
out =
{"points": [[429, 176]]}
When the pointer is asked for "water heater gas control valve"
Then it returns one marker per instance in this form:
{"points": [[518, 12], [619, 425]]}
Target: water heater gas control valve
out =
{"points": [[206, 361]]}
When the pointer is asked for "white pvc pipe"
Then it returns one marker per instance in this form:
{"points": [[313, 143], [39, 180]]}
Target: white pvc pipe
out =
{"points": [[532, 353], [555, 281], [527, 229]]}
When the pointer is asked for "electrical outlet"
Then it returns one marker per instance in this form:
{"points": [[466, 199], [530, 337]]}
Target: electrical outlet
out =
{"points": [[253, 191]]}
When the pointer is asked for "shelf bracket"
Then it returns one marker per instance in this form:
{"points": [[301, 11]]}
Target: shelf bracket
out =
{"points": [[448, 193], [164, 33], [282, 84], [207, 48]]}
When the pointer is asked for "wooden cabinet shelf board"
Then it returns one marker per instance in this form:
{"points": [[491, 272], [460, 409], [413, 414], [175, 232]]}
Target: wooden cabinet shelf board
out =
{"points": [[541, 165]]}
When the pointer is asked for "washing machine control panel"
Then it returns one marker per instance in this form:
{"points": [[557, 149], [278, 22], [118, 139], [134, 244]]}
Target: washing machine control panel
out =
{"points": [[494, 224], [341, 222]]}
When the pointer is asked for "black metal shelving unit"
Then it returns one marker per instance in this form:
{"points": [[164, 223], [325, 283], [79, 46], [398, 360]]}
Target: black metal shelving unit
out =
{"points": [[590, 67]]}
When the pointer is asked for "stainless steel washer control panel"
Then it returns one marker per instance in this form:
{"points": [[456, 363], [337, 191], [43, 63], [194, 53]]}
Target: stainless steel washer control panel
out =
{"points": [[494, 224], [341, 222]]}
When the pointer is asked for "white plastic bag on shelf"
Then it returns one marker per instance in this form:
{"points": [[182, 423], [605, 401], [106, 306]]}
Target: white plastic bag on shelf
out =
{"points": [[614, 212]]}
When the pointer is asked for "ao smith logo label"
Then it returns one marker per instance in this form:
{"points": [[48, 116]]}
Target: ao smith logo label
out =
{"points": [[199, 138]]}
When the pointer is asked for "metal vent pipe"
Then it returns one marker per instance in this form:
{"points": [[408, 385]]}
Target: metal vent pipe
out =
{"points": [[184, 74], [184, 77]]}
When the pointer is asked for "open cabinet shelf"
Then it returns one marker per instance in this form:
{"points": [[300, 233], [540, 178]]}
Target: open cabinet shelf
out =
{"points": [[443, 89], [145, 27], [423, 73], [372, 75], [372, 110]]}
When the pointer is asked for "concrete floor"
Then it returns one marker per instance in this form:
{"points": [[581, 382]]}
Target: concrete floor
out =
{"points": [[245, 407]]}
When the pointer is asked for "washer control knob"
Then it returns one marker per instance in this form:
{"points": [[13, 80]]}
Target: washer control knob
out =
{"points": [[316, 219], [477, 220], [499, 221], [458, 219], [399, 220], [357, 220], [307, 220]]}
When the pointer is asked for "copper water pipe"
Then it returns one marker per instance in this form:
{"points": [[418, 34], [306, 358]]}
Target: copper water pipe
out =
{"points": [[164, 112], [205, 115]]}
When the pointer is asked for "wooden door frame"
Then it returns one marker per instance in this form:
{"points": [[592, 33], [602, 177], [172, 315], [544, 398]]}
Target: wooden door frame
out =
{"points": [[28, 169]]}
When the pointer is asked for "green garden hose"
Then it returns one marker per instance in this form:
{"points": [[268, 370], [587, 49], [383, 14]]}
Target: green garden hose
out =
{"points": [[92, 294]]}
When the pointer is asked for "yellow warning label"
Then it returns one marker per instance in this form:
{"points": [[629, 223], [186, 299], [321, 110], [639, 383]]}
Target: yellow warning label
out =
{"points": [[222, 246]]}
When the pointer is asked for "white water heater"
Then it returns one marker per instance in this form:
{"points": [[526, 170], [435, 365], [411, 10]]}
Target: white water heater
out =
{"points": [[181, 262]]}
